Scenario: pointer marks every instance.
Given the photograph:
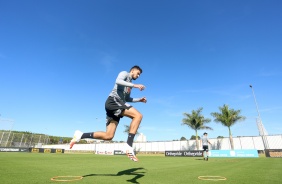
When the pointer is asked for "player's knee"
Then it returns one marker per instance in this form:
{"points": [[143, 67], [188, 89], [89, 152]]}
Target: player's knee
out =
{"points": [[108, 137], [139, 116]]}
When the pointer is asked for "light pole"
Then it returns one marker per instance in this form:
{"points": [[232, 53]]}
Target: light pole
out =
{"points": [[262, 131], [255, 100]]}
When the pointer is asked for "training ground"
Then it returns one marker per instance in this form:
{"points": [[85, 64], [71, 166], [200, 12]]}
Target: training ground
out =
{"points": [[40, 168]]}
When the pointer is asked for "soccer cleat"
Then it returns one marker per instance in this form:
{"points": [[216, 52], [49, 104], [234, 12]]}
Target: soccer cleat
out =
{"points": [[76, 138], [207, 158], [130, 153]]}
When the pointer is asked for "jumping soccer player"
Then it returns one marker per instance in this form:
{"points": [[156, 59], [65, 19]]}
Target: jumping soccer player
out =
{"points": [[205, 143], [116, 107]]}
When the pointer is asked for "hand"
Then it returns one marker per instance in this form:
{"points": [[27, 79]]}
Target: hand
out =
{"points": [[140, 86], [143, 99]]}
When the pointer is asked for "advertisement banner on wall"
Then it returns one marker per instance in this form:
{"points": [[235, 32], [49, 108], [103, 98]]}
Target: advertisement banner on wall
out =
{"points": [[183, 153], [119, 152], [104, 152], [13, 149], [46, 150], [215, 153], [234, 153], [275, 153]]}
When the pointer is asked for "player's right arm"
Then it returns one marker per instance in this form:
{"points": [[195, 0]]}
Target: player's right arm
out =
{"points": [[140, 86], [121, 80]]}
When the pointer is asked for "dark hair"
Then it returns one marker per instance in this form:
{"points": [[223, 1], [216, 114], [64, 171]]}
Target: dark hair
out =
{"points": [[205, 133], [136, 67]]}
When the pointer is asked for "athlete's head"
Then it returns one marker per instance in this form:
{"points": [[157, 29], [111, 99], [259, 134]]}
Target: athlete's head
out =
{"points": [[205, 133], [135, 72]]}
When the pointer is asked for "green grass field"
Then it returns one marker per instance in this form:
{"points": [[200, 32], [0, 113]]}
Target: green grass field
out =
{"points": [[40, 168]]}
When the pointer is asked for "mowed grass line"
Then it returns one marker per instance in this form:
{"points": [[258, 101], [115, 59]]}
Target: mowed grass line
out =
{"points": [[29, 168]]}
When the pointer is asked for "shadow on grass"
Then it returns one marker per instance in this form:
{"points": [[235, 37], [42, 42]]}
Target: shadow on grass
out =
{"points": [[199, 159], [131, 172]]}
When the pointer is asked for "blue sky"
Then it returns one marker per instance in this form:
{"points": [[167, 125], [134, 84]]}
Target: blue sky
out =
{"points": [[59, 61]]}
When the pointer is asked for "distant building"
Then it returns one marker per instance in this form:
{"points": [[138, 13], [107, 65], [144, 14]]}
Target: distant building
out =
{"points": [[141, 138]]}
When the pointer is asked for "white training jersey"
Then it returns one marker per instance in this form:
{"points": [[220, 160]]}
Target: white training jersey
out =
{"points": [[205, 140]]}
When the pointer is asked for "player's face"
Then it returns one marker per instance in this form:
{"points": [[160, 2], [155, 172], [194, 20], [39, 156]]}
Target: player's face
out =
{"points": [[135, 74]]}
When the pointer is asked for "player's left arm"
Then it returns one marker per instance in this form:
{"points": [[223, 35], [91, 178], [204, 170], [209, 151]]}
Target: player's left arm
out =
{"points": [[143, 99], [129, 99]]}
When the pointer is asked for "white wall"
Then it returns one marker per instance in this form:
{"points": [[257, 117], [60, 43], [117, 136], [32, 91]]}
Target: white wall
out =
{"points": [[272, 141]]}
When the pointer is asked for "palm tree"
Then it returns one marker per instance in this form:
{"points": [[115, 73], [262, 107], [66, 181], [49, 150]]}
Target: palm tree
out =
{"points": [[196, 121], [228, 117]]}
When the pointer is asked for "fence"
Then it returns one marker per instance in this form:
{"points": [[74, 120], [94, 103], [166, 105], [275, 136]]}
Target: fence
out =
{"points": [[10, 139]]}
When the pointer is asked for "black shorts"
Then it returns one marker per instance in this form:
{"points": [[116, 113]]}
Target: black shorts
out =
{"points": [[206, 148], [114, 108]]}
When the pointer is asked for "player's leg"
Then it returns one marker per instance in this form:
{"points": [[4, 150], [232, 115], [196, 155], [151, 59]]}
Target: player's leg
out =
{"points": [[205, 152], [136, 117], [108, 135], [110, 131], [113, 110]]}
